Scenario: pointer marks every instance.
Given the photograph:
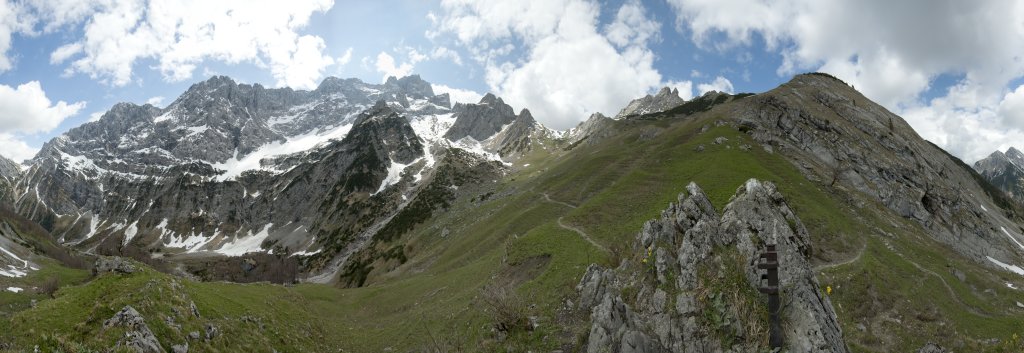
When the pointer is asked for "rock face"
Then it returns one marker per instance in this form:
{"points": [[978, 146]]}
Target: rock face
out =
{"points": [[138, 337], [1005, 171], [665, 99], [482, 120], [237, 170], [517, 137], [9, 174], [673, 299], [594, 129], [834, 134]]}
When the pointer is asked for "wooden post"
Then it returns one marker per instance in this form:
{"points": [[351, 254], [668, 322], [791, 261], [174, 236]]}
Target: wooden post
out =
{"points": [[769, 261]]}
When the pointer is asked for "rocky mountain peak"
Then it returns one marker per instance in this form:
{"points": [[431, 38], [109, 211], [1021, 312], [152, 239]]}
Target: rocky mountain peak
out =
{"points": [[413, 86], [9, 168], [994, 162], [666, 98], [481, 120], [591, 130], [379, 109], [1015, 156], [525, 117], [338, 85], [1004, 171], [490, 98]]}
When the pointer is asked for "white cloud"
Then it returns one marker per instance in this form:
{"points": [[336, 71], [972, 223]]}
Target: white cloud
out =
{"points": [[156, 101], [64, 52], [26, 109], [890, 51], [571, 68], [15, 149], [720, 84], [95, 116], [178, 35], [457, 95], [12, 21], [386, 64], [631, 26], [346, 58], [445, 53]]}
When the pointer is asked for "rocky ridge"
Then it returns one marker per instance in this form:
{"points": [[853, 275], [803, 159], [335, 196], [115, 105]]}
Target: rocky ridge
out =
{"points": [[1005, 171], [231, 169], [676, 295], [665, 99], [834, 134]]}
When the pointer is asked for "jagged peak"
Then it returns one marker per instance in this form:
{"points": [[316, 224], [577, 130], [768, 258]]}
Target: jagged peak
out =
{"points": [[332, 82], [666, 92], [412, 84], [1013, 152], [490, 98], [525, 115]]}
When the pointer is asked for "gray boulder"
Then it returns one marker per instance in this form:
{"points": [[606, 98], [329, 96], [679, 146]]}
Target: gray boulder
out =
{"points": [[115, 264], [180, 348], [138, 338], [931, 348]]}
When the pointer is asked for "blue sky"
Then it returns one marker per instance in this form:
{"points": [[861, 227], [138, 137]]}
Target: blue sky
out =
{"points": [[952, 70]]}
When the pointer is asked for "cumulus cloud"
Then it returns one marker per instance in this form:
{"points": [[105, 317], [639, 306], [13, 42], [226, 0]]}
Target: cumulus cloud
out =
{"points": [[15, 149], [25, 109], [95, 116], [457, 95], [720, 84], [572, 67], [445, 53], [345, 58], [892, 52], [386, 65], [156, 101], [178, 35]]}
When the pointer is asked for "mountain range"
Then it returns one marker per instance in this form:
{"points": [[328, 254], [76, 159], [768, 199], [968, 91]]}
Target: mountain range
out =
{"points": [[399, 221]]}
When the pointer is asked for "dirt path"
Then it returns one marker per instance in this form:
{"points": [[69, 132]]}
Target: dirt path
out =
{"points": [[952, 294], [571, 228], [821, 267]]}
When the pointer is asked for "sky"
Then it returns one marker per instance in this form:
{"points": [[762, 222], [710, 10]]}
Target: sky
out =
{"points": [[953, 69]]}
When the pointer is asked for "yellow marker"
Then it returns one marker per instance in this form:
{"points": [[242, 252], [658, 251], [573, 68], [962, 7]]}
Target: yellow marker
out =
{"points": [[828, 290]]}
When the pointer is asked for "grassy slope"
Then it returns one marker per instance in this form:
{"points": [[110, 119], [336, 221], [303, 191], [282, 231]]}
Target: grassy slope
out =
{"points": [[434, 300]]}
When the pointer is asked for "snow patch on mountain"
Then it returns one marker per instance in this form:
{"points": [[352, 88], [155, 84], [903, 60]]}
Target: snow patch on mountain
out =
{"points": [[1012, 238], [394, 175], [237, 165], [12, 270], [1012, 268], [245, 245], [130, 232]]}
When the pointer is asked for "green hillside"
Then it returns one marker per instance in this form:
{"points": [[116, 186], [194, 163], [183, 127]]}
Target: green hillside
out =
{"points": [[494, 271]]}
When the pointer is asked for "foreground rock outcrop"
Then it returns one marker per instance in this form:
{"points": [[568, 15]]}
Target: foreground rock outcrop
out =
{"points": [[692, 287], [138, 337]]}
